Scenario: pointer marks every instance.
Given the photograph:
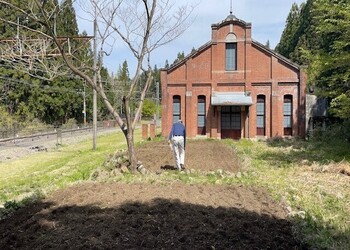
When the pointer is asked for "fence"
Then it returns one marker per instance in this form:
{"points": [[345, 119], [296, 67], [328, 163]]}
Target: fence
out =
{"points": [[17, 133]]}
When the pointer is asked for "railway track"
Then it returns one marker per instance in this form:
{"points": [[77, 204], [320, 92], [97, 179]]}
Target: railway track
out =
{"points": [[17, 147]]}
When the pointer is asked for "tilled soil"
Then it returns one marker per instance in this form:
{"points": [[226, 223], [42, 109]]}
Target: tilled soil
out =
{"points": [[205, 155], [163, 215], [151, 216]]}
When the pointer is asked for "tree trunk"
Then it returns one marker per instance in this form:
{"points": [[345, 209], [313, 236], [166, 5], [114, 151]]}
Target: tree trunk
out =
{"points": [[129, 135], [131, 150]]}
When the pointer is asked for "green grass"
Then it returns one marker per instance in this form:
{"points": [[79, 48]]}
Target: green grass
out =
{"points": [[319, 200], [46, 171]]}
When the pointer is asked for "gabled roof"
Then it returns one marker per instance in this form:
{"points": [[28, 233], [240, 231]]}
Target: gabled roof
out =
{"points": [[192, 54], [208, 44], [232, 19], [274, 53]]}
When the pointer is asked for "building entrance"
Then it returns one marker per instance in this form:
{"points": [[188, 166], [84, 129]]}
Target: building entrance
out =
{"points": [[231, 122]]}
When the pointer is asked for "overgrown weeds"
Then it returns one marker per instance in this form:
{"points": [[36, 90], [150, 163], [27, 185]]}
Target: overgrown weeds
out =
{"points": [[310, 179]]}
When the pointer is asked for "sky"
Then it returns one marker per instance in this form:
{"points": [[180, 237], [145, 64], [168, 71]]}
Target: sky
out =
{"points": [[268, 19]]}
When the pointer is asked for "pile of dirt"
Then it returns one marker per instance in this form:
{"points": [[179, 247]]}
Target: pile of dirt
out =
{"points": [[205, 155], [151, 216]]}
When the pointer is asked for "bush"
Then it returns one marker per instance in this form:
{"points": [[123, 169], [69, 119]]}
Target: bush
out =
{"points": [[149, 108], [71, 123], [334, 133], [6, 120]]}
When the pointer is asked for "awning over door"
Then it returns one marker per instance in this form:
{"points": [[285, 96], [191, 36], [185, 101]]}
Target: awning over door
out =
{"points": [[230, 99]]}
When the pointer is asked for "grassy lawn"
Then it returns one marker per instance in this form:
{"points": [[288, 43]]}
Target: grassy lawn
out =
{"points": [[45, 171]]}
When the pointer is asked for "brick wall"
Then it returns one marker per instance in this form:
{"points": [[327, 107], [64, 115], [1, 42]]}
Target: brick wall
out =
{"points": [[260, 71]]}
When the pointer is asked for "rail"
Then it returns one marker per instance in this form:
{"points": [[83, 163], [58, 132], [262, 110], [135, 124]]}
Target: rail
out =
{"points": [[57, 132]]}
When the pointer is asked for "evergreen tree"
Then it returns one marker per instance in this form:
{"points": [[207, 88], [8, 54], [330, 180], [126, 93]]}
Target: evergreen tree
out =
{"points": [[53, 101], [66, 20], [121, 85], [156, 78], [124, 73], [7, 13], [180, 56], [166, 64], [288, 39]]}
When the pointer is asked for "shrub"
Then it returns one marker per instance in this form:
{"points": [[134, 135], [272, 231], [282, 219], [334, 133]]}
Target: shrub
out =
{"points": [[149, 108], [71, 123]]}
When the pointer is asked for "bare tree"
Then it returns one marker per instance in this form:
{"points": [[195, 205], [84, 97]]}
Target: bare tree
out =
{"points": [[143, 25]]}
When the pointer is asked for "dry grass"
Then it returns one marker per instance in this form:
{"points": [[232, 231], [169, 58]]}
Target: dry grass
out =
{"points": [[310, 182]]}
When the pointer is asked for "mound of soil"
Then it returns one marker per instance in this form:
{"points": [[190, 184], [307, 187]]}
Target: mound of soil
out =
{"points": [[206, 155], [151, 216]]}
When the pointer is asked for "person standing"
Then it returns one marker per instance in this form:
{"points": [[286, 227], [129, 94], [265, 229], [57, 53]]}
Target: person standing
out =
{"points": [[177, 138]]}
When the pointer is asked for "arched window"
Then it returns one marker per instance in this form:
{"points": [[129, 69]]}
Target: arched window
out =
{"points": [[260, 115], [201, 108], [176, 108], [287, 114]]}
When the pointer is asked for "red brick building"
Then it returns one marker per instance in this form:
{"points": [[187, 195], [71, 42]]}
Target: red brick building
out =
{"points": [[234, 87]]}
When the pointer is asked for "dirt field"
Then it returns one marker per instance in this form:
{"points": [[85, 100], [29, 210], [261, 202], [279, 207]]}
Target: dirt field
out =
{"points": [[170, 215], [203, 155]]}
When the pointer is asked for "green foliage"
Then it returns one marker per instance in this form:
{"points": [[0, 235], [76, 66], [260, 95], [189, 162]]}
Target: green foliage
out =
{"points": [[340, 105], [331, 72], [6, 120], [337, 136], [11, 206], [25, 97], [123, 73], [166, 64], [33, 126], [66, 20], [180, 56], [71, 123], [288, 39], [318, 35], [156, 79], [149, 108]]}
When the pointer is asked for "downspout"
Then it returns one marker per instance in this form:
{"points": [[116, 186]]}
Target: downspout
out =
{"points": [[248, 122]]}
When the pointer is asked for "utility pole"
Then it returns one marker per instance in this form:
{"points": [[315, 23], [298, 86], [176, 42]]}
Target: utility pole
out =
{"points": [[84, 105], [94, 98]]}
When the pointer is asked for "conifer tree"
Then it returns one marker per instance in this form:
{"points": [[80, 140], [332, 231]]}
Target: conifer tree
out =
{"points": [[288, 39]]}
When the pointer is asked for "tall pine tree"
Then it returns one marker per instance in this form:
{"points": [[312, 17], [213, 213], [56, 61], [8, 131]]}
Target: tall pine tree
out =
{"points": [[288, 39]]}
